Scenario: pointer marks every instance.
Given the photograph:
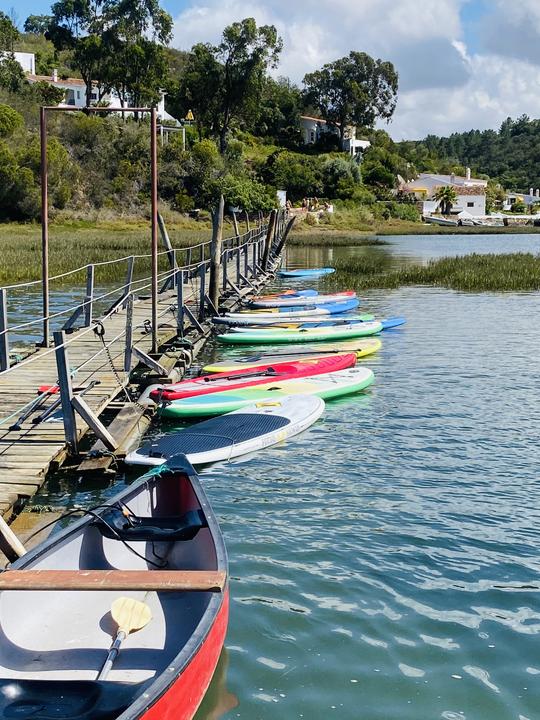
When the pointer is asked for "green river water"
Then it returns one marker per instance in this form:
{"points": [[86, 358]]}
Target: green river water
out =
{"points": [[385, 565]]}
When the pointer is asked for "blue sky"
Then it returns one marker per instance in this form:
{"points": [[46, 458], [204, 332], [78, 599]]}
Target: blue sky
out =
{"points": [[462, 64]]}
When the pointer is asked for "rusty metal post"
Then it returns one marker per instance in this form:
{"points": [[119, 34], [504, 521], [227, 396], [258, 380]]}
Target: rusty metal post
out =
{"points": [[153, 161], [44, 225]]}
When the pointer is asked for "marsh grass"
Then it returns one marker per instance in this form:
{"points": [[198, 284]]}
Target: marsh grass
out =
{"points": [[337, 240], [470, 273], [76, 243]]}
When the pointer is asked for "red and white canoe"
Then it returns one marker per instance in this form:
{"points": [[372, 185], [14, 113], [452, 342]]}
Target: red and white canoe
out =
{"points": [[217, 382], [55, 607]]}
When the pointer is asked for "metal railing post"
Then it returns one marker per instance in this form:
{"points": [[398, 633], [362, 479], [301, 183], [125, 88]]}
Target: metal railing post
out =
{"points": [[224, 269], [89, 299], [238, 266], [4, 339], [202, 290], [66, 390], [129, 276], [180, 302], [129, 333]]}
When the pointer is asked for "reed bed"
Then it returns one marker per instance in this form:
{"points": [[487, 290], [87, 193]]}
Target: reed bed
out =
{"points": [[75, 244], [512, 272]]}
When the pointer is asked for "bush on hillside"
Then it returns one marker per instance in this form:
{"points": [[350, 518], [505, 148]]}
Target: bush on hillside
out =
{"points": [[10, 120]]}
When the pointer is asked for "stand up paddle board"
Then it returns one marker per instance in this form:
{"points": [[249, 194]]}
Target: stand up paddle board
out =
{"points": [[273, 321], [361, 347], [326, 386], [306, 272], [293, 302], [236, 337], [229, 436], [329, 308], [207, 384]]}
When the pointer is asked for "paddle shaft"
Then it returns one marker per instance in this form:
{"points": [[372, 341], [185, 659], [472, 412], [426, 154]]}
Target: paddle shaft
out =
{"points": [[113, 654], [33, 406], [56, 404]]}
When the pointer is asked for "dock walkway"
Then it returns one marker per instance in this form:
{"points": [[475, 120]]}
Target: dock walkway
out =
{"points": [[101, 361]]}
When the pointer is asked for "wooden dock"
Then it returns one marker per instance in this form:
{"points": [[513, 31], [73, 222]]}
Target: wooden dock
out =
{"points": [[99, 360]]}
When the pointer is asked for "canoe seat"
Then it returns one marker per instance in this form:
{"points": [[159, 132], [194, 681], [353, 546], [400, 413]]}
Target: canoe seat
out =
{"points": [[114, 524], [66, 699]]}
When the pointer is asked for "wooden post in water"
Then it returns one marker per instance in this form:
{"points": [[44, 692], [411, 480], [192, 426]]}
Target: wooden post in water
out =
{"points": [[268, 240], [281, 243], [248, 228], [235, 224], [153, 160], [215, 251], [44, 225]]}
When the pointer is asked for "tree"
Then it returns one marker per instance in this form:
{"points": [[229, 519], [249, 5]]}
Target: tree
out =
{"points": [[447, 197], [10, 120], [230, 76], [354, 90], [11, 73], [37, 24], [8, 34]]}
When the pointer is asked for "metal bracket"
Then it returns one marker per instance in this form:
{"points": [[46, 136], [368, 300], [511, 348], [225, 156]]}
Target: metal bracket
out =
{"points": [[211, 305], [149, 362], [193, 319], [248, 282], [234, 287], [92, 420]]}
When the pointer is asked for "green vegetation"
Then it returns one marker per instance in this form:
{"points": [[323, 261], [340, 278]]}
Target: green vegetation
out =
{"points": [[84, 241], [470, 273]]}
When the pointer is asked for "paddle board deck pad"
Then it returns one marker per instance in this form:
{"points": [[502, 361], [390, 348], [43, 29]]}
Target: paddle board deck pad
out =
{"points": [[293, 302], [362, 347], [326, 386], [254, 427], [256, 337], [274, 321], [297, 368], [306, 272], [331, 308]]}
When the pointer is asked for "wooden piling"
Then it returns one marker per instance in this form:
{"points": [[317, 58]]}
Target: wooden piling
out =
{"points": [[215, 252]]}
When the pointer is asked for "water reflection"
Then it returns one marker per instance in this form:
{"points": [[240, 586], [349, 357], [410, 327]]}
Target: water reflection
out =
{"points": [[218, 700]]}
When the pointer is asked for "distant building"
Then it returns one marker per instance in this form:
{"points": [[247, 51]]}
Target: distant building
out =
{"points": [[75, 91], [528, 199], [471, 192], [313, 129]]}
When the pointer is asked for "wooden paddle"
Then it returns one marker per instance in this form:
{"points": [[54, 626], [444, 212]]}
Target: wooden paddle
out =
{"points": [[130, 615]]}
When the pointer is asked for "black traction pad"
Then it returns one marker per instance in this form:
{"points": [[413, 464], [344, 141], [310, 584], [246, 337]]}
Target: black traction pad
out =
{"points": [[213, 434]]}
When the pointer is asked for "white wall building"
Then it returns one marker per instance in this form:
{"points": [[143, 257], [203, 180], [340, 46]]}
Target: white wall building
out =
{"points": [[313, 129], [530, 198], [26, 60], [471, 192]]}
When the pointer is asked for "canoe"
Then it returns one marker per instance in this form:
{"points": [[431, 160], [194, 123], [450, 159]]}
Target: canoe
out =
{"points": [[330, 308], [306, 272], [293, 302], [361, 347], [285, 370], [273, 321], [331, 385], [235, 337], [234, 434], [159, 541]]}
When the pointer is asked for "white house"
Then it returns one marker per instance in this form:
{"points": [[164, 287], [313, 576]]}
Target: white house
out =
{"points": [[26, 60], [528, 199], [471, 192], [313, 129], [75, 91]]}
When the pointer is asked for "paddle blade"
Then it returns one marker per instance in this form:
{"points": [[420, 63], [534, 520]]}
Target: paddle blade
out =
{"points": [[130, 615]]}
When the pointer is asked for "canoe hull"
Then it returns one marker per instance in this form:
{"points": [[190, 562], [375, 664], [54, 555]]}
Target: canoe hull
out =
{"points": [[182, 699]]}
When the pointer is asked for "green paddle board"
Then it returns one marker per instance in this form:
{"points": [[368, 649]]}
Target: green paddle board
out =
{"points": [[304, 335], [331, 385]]}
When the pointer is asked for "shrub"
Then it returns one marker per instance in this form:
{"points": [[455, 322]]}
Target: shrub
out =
{"points": [[10, 120]]}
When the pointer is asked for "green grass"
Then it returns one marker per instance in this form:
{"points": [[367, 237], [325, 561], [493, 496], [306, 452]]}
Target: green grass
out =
{"points": [[77, 242], [335, 240], [470, 273]]}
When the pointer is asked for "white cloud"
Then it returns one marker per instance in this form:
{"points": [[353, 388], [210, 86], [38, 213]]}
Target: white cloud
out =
{"points": [[443, 86]]}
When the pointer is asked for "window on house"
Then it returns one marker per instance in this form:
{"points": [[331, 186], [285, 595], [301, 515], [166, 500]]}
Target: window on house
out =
{"points": [[78, 94], [93, 96], [312, 136], [470, 204]]}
